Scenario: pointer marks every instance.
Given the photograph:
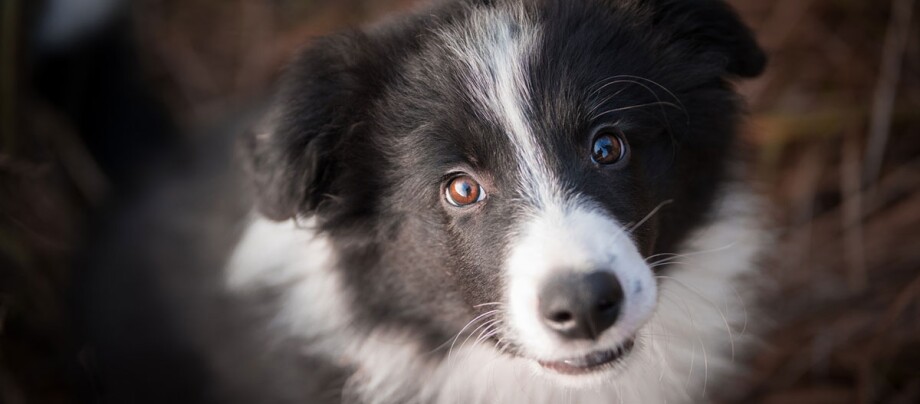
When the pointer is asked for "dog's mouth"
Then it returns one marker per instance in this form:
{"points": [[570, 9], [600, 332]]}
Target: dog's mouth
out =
{"points": [[590, 363]]}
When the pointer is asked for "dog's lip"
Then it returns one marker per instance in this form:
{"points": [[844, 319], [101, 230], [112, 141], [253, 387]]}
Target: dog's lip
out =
{"points": [[590, 363]]}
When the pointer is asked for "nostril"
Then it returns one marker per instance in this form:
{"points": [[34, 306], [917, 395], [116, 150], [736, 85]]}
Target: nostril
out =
{"points": [[581, 306], [561, 317], [607, 306]]}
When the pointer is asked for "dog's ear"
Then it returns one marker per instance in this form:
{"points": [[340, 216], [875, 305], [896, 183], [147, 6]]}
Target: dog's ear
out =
{"points": [[713, 30], [291, 157]]}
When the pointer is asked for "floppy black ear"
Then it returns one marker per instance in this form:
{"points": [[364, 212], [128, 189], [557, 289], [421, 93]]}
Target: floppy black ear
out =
{"points": [[712, 29], [291, 158]]}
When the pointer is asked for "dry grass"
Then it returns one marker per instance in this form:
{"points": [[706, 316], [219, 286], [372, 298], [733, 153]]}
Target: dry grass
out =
{"points": [[835, 121]]}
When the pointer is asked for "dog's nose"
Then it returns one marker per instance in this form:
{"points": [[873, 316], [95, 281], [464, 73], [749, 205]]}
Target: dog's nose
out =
{"points": [[581, 306]]}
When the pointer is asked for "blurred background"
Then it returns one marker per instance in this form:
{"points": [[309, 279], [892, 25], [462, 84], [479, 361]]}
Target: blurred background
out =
{"points": [[835, 123]]}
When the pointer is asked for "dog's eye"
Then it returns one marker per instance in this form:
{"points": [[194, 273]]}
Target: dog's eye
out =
{"points": [[463, 191], [609, 147]]}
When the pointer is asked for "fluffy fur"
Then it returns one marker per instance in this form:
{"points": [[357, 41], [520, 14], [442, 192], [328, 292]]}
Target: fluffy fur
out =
{"points": [[361, 266], [424, 302], [698, 329]]}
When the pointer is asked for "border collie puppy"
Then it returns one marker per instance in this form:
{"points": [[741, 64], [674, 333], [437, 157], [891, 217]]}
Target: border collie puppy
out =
{"points": [[508, 201]]}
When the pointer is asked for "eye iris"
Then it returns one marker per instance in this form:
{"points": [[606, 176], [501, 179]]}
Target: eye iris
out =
{"points": [[463, 191], [607, 149]]}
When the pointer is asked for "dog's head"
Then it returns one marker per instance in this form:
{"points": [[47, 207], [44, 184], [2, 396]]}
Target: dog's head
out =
{"points": [[495, 167]]}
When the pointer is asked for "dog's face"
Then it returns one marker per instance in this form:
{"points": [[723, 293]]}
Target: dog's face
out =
{"points": [[505, 171]]}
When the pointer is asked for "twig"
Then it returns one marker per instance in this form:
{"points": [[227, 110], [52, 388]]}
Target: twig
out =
{"points": [[852, 214], [883, 328], [899, 305], [886, 88], [805, 187]]}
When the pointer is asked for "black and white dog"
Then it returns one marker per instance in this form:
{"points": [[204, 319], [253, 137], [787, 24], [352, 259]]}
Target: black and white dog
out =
{"points": [[512, 201], [508, 201]]}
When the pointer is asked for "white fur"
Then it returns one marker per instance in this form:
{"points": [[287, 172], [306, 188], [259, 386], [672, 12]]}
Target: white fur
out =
{"points": [[575, 239], [684, 337], [289, 257], [699, 318], [496, 46], [562, 233]]}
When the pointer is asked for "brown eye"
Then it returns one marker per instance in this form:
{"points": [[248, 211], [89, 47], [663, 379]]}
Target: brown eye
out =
{"points": [[608, 147], [463, 191]]}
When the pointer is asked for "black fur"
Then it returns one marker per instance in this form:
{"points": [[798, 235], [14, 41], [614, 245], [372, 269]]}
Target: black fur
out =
{"points": [[369, 124]]}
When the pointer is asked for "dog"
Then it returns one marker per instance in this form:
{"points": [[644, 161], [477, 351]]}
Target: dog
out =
{"points": [[501, 201]]}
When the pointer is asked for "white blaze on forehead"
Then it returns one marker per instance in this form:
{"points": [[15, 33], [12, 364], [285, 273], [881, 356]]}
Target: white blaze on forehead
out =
{"points": [[496, 47], [559, 232]]}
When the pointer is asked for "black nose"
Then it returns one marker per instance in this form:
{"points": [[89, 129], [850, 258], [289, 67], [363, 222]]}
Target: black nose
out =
{"points": [[581, 306]]}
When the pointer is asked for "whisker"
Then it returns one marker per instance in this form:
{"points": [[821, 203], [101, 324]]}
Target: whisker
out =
{"points": [[665, 263], [690, 254], [658, 335], [743, 309], [659, 85], [501, 345], [666, 255], [488, 313], [606, 82], [649, 216], [632, 80], [439, 347], [610, 97], [705, 366], [650, 104], [659, 350], [485, 336], [696, 332], [731, 337], [482, 326]]}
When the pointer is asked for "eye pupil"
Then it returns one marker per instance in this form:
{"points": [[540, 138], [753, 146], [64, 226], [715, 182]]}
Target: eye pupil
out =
{"points": [[607, 148], [463, 191]]}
